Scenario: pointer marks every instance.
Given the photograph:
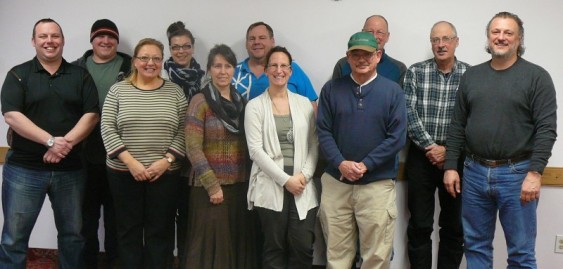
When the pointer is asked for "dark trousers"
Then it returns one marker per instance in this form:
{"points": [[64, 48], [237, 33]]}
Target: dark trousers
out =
{"points": [[423, 179], [98, 196], [182, 220], [288, 241], [145, 213]]}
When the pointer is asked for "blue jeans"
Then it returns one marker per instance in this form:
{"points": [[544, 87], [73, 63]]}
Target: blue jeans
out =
{"points": [[486, 191], [23, 194]]}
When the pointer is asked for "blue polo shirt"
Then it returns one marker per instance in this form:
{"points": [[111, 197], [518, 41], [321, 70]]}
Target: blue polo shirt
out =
{"points": [[251, 86]]}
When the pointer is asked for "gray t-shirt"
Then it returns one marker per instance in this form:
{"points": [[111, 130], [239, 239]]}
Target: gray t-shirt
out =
{"points": [[284, 128]]}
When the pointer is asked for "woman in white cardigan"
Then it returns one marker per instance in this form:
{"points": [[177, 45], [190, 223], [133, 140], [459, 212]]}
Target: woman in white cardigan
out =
{"points": [[282, 142]]}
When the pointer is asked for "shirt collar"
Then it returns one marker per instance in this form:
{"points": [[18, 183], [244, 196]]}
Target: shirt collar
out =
{"points": [[38, 67], [454, 67], [367, 82], [244, 65]]}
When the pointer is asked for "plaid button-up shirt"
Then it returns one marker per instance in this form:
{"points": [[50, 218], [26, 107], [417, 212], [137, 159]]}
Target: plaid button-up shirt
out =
{"points": [[430, 96]]}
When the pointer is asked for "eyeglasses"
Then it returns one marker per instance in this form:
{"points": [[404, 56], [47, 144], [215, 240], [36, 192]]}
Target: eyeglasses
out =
{"points": [[178, 47], [377, 33], [444, 39], [146, 59], [283, 67], [356, 56]]}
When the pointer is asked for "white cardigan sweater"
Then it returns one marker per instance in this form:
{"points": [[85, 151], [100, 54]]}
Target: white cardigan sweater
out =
{"points": [[267, 178]]}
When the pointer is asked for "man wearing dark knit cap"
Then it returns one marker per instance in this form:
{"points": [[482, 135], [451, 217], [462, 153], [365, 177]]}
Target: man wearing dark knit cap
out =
{"points": [[107, 66]]}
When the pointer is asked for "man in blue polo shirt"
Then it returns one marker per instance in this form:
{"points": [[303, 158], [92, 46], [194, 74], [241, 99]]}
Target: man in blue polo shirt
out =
{"points": [[250, 79]]}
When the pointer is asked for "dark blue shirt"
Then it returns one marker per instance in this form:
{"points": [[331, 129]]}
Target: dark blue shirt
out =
{"points": [[362, 123]]}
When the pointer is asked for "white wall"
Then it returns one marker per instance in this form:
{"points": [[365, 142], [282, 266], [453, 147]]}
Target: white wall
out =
{"points": [[315, 32]]}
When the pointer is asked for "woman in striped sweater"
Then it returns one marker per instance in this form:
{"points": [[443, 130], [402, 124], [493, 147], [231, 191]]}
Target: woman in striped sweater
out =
{"points": [[219, 231], [142, 129]]}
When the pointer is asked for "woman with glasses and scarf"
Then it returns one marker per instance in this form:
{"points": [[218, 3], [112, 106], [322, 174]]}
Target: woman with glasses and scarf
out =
{"points": [[142, 129], [182, 69], [282, 142], [220, 235]]}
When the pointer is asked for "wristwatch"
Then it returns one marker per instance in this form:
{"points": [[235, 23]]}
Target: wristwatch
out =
{"points": [[169, 160], [50, 142]]}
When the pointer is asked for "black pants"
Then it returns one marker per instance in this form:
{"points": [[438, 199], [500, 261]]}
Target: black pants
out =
{"points": [[97, 196], [288, 241], [145, 213], [423, 180], [182, 220]]}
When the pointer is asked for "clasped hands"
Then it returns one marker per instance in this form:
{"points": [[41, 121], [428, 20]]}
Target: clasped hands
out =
{"points": [[296, 184], [60, 149], [151, 173], [351, 170]]}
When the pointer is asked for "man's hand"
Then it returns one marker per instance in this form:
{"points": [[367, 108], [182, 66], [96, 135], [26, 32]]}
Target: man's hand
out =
{"points": [[531, 187], [452, 182], [436, 154], [58, 151], [50, 157], [352, 170]]}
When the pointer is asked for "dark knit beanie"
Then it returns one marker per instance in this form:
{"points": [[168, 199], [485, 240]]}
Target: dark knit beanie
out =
{"points": [[104, 27]]}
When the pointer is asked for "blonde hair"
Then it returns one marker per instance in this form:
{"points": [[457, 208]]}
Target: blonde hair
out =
{"points": [[143, 42]]}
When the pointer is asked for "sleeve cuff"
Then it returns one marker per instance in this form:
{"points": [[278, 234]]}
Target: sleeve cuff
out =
{"points": [[116, 153]]}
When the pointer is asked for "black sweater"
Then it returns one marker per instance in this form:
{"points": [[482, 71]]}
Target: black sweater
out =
{"points": [[502, 114]]}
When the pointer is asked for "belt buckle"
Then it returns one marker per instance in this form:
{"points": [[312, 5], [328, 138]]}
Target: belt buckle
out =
{"points": [[487, 162], [492, 163]]}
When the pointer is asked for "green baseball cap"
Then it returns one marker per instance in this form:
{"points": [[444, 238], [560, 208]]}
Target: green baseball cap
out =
{"points": [[362, 41]]}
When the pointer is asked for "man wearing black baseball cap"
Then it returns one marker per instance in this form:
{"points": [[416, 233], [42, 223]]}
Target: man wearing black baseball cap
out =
{"points": [[107, 66], [361, 127]]}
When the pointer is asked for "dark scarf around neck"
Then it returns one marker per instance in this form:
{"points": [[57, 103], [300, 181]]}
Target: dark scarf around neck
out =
{"points": [[189, 78], [231, 113]]}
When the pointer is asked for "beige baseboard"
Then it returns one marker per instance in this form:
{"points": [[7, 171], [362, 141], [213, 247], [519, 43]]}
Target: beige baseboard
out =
{"points": [[3, 151], [552, 176]]}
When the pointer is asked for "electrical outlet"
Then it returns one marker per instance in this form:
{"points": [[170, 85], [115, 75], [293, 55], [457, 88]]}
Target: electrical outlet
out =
{"points": [[559, 244]]}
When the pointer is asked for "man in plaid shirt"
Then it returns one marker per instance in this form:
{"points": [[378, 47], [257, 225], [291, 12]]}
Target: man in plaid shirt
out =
{"points": [[430, 89]]}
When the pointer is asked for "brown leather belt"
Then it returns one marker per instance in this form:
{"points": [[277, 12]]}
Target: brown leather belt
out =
{"points": [[497, 163]]}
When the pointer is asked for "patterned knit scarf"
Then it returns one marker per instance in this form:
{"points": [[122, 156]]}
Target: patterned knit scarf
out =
{"points": [[231, 113], [189, 78]]}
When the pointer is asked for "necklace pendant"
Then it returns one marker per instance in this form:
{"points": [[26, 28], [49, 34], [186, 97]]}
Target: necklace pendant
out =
{"points": [[289, 135]]}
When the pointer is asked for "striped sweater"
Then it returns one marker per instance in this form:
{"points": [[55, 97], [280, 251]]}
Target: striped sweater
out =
{"points": [[218, 157], [146, 123]]}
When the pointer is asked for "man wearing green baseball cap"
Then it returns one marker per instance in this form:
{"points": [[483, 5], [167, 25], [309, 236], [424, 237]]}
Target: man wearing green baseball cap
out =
{"points": [[361, 125]]}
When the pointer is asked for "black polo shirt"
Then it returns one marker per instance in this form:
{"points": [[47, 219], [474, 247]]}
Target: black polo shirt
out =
{"points": [[55, 103]]}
